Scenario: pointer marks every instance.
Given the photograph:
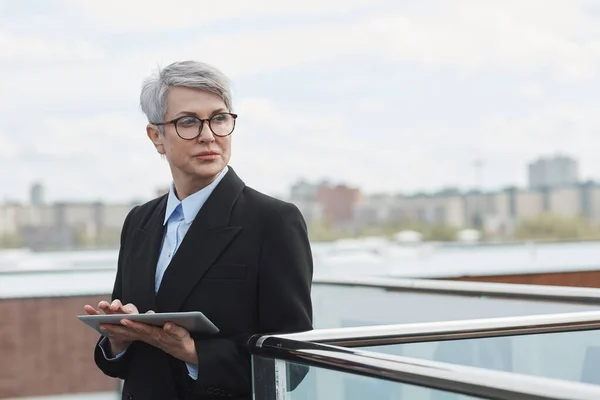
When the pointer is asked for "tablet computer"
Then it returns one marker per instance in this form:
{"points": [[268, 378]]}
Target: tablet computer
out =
{"points": [[192, 321]]}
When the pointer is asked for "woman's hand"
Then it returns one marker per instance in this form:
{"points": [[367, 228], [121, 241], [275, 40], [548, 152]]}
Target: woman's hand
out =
{"points": [[117, 344], [171, 338]]}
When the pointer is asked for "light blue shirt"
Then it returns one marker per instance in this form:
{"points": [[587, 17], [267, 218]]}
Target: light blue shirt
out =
{"points": [[179, 216]]}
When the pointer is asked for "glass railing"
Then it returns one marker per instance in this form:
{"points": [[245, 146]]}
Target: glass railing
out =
{"points": [[340, 303], [562, 346], [294, 370], [549, 350], [562, 355], [324, 383]]}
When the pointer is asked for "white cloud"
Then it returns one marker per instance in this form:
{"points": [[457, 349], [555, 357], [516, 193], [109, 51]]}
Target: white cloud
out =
{"points": [[7, 147], [427, 157], [367, 105], [149, 16], [561, 128], [466, 34], [509, 143], [12, 47], [99, 156], [107, 154], [511, 34], [316, 146], [88, 136], [531, 91], [263, 111]]}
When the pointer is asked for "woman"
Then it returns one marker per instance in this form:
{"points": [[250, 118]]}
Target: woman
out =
{"points": [[212, 244]]}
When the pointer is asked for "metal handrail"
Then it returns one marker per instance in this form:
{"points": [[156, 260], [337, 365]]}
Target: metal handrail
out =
{"points": [[448, 330], [57, 270], [565, 294], [507, 290], [447, 377]]}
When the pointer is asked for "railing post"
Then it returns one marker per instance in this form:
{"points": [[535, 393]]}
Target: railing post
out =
{"points": [[281, 385]]}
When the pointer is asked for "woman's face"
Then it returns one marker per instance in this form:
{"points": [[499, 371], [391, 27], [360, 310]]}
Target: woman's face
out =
{"points": [[198, 161]]}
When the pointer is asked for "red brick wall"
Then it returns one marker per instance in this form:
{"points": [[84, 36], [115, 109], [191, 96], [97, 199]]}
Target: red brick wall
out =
{"points": [[582, 278], [45, 350]]}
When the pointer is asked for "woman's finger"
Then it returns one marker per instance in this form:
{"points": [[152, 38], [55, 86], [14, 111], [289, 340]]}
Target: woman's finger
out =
{"points": [[104, 306], [175, 330], [116, 305], [130, 309], [116, 331], [137, 327], [91, 310]]}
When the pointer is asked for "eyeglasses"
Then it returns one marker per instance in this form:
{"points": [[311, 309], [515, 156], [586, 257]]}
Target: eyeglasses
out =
{"points": [[189, 127]]}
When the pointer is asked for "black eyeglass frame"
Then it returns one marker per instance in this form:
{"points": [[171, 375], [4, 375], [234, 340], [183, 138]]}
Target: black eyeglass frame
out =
{"points": [[202, 121]]}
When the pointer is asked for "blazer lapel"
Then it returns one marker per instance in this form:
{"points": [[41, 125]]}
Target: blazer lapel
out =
{"points": [[146, 244], [208, 236]]}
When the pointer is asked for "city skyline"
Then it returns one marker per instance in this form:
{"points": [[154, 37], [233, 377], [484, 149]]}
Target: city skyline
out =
{"points": [[388, 96], [37, 190]]}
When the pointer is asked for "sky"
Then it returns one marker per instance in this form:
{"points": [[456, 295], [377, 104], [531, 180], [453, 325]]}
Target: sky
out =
{"points": [[395, 96]]}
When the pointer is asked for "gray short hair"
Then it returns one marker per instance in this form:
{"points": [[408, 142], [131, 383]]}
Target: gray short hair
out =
{"points": [[191, 74]]}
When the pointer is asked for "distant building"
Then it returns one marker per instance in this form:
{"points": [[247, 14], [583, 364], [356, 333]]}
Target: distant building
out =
{"points": [[63, 225], [303, 191], [553, 172], [338, 203], [36, 194], [398, 210]]}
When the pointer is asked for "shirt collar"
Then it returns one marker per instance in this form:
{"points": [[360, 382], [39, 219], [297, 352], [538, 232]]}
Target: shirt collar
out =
{"points": [[192, 204]]}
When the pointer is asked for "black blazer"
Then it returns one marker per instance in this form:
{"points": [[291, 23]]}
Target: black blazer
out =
{"points": [[245, 263]]}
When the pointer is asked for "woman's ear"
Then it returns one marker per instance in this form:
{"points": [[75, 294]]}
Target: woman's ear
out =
{"points": [[156, 138]]}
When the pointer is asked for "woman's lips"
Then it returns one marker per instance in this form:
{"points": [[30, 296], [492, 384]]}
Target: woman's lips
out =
{"points": [[207, 155]]}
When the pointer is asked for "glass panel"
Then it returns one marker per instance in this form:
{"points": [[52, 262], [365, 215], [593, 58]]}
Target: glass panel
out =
{"points": [[573, 356], [348, 306], [299, 382]]}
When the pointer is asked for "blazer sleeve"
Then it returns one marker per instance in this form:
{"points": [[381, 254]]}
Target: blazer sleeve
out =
{"points": [[116, 368], [284, 305]]}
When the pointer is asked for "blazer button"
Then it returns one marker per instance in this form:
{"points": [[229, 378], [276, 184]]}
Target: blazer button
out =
{"points": [[127, 396], [210, 391]]}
